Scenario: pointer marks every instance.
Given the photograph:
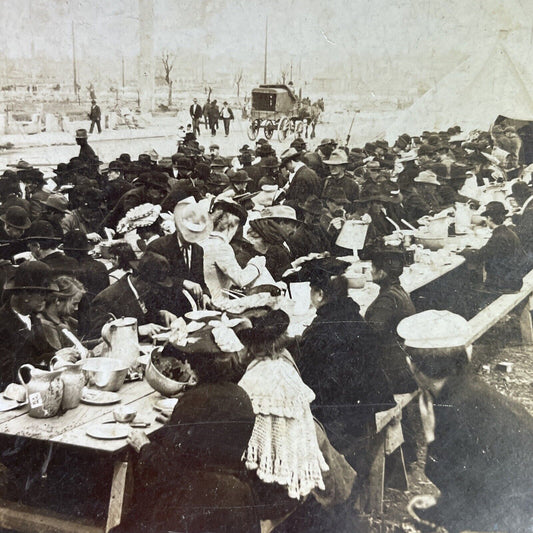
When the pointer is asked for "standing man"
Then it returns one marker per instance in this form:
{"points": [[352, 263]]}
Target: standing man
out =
{"points": [[227, 116], [95, 115], [196, 114], [214, 115]]}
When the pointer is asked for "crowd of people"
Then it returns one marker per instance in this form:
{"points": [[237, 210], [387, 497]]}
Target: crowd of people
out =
{"points": [[196, 229]]}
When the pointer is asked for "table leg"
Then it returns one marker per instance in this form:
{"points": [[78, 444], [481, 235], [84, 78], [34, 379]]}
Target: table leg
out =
{"points": [[377, 476], [526, 326], [116, 499]]}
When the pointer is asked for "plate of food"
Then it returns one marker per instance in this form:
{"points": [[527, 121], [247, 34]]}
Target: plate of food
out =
{"points": [[202, 315], [99, 397], [108, 431]]}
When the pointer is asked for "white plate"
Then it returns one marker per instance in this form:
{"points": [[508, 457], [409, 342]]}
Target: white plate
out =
{"points": [[109, 431], [198, 315], [161, 337], [8, 405], [194, 326], [167, 404], [99, 397]]}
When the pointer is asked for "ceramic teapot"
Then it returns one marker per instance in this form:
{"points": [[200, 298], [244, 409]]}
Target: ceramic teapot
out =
{"points": [[74, 380], [44, 390], [122, 339]]}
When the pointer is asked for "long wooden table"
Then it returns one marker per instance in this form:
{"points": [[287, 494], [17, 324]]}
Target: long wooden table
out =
{"points": [[69, 430]]}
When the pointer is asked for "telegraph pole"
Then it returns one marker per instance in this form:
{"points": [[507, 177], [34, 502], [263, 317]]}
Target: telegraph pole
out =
{"points": [[76, 92], [266, 52]]}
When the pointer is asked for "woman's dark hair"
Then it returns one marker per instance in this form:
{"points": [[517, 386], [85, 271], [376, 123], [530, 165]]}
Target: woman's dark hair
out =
{"points": [[217, 368], [334, 288], [152, 228], [124, 253]]}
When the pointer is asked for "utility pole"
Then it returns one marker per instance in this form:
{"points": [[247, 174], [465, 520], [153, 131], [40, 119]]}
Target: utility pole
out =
{"points": [[290, 79], [123, 74], [146, 63], [76, 92], [266, 52]]}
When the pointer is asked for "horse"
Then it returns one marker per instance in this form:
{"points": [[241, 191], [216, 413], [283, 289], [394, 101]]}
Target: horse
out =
{"points": [[310, 113]]}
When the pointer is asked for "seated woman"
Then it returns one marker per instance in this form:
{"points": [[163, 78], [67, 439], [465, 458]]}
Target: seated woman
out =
{"points": [[265, 237], [336, 357], [190, 477], [285, 448], [221, 269], [61, 310]]}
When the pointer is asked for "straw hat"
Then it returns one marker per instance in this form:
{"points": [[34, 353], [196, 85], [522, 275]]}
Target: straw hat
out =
{"points": [[192, 219], [337, 157], [426, 176], [140, 216]]}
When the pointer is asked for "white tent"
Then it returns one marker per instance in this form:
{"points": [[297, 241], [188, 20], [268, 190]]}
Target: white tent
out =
{"points": [[472, 96]]}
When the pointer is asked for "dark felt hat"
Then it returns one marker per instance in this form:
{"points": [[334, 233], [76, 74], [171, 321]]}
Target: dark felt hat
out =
{"points": [[31, 276], [201, 171], [298, 143], [494, 208], [241, 176], [218, 178], [31, 175], [270, 161], [312, 205], [264, 150], [57, 202], [266, 328], [318, 272], [520, 189], [389, 259], [219, 162], [61, 169], [116, 165], [17, 217], [232, 207], [41, 230], [336, 194], [81, 134], [154, 180]]}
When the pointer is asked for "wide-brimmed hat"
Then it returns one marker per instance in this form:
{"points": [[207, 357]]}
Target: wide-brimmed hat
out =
{"points": [[182, 161], [382, 143], [289, 155], [17, 217], [264, 150], [337, 157], [335, 194], [144, 160], [218, 179], [494, 208], [318, 272], [240, 176], [57, 202], [219, 162], [31, 276], [140, 216], [520, 189], [82, 134], [192, 219], [31, 175], [154, 180], [270, 161], [41, 230], [92, 197], [327, 141], [283, 212], [299, 144], [60, 169], [312, 205], [154, 269], [426, 176], [232, 207], [77, 241]]}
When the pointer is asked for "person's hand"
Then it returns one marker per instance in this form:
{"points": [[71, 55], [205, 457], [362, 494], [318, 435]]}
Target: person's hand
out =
{"points": [[69, 355], [95, 237], [194, 288], [206, 302], [366, 218], [337, 223], [258, 261], [167, 317], [137, 439], [163, 417], [149, 330]]}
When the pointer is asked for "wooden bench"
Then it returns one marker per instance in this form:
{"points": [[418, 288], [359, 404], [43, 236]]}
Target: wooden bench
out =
{"points": [[389, 431], [498, 309]]}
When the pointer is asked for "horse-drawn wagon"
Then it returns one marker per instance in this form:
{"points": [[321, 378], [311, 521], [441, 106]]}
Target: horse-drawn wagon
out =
{"points": [[276, 108]]}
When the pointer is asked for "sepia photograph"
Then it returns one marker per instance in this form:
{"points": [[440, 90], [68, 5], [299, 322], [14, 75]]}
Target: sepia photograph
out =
{"points": [[266, 266]]}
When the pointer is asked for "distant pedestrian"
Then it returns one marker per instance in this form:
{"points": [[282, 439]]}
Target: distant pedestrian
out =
{"points": [[86, 152], [205, 113], [95, 115], [196, 114], [213, 115], [227, 116]]}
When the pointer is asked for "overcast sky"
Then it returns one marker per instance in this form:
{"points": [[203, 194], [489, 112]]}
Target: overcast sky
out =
{"points": [[317, 31]]}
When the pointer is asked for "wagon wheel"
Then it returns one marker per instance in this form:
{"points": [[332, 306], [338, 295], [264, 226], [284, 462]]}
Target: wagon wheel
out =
{"points": [[269, 129], [253, 129], [283, 128]]}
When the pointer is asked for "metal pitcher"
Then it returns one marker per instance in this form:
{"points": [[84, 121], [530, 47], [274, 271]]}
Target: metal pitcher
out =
{"points": [[73, 381], [44, 390], [122, 339]]}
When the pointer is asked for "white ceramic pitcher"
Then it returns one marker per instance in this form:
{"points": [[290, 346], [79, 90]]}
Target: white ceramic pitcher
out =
{"points": [[122, 338]]}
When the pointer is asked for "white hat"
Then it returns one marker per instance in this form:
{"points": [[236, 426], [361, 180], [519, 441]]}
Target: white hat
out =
{"points": [[192, 219], [139, 216], [426, 176], [434, 329]]}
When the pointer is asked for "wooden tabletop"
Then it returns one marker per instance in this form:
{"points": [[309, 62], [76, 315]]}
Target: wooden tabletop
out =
{"points": [[70, 428]]}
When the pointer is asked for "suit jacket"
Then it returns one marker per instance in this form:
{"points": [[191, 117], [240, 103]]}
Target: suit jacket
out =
{"points": [[61, 264], [118, 299], [168, 246], [481, 459], [304, 183], [196, 111], [19, 345]]}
